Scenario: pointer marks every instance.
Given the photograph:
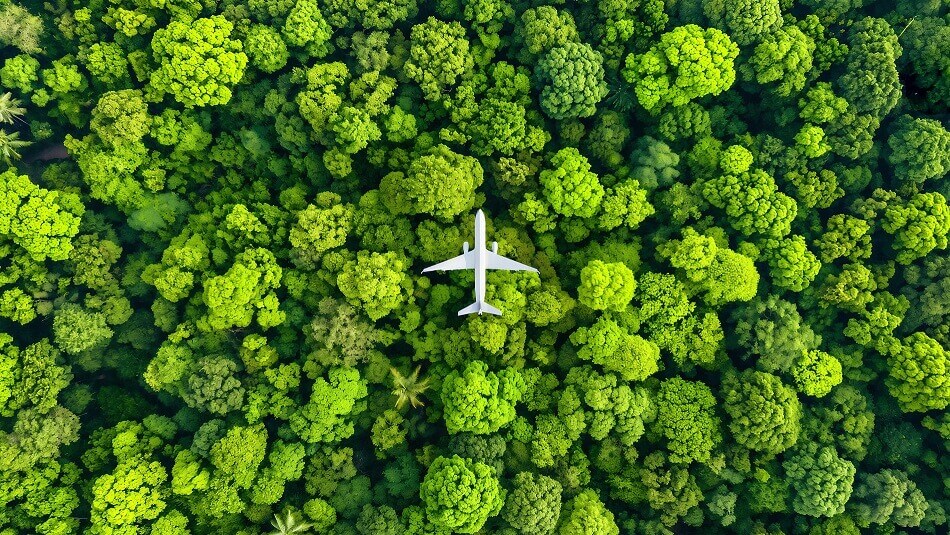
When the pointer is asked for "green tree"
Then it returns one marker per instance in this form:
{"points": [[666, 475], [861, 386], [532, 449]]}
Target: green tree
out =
{"points": [[570, 186], [610, 345], [606, 286], [887, 496], [265, 48], [542, 28], [76, 329], [571, 78], [32, 377], [816, 373], [479, 401], [746, 21], [752, 203], [663, 76], [439, 182], [820, 478], [121, 117], [585, 514], [919, 225], [920, 150], [244, 292], [792, 265], [41, 221], [438, 56], [460, 495], [106, 62], [533, 504], [871, 84], [919, 373], [132, 493], [784, 56], [687, 419], [319, 228], [198, 62], [375, 282], [306, 27], [764, 413], [334, 401]]}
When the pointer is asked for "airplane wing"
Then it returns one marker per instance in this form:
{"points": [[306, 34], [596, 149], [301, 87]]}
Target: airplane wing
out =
{"points": [[462, 261], [496, 261]]}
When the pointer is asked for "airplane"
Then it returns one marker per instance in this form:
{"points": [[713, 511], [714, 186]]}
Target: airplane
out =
{"points": [[480, 259]]}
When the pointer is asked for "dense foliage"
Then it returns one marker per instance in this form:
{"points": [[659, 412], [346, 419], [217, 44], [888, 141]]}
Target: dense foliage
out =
{"points": [[214, 216]]}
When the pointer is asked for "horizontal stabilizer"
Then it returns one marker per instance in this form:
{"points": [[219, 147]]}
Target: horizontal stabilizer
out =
{"points": [[480, 308]]}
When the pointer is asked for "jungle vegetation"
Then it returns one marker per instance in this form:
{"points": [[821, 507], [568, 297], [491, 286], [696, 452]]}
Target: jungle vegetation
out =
{"points": [[214, 215]]}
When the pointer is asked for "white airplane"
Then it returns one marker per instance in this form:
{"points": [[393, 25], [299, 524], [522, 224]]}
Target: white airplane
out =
{"points": [[480, 259]]}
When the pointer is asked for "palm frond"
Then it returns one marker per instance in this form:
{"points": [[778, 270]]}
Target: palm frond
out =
{"points": [[288, 523], [408, 389], [9, 143], [10, 108]]}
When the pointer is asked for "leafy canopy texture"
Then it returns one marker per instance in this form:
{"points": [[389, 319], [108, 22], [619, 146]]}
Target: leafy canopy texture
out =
{"points": [[821, 479], [40, 221], [198, 61], [687, 63], [479, 401], [571, 77], [570, 186], [215, 218], [606, 286], [764, 413], [460, 495]]}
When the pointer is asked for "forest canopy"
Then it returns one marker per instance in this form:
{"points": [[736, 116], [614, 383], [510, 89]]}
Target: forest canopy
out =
{"points": [[214, 217]]}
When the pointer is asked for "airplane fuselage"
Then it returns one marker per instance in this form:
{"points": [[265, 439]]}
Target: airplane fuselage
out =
{"points": [[480, 257]]}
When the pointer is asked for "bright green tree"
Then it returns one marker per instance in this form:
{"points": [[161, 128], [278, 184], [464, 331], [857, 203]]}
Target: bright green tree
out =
{"points": [[570, 186], [610, 345], [571, 80], [585, 514], [479, 401], [439, 182], [919, 373], [334, 401], [375, 282], [41, 221], [686, 418], [198, 62], [460, 495], [689, 62], [816, 373], [919, 225], [606, 286], [783, 56], [764, 413]]}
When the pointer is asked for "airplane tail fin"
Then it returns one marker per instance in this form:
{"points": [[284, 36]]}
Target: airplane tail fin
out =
{"points": [[481, 308]]}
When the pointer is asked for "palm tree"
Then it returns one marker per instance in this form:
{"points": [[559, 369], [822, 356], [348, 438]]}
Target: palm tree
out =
{"points": [[9, 143], [408, 389], [10, 109], [288, 524]]}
